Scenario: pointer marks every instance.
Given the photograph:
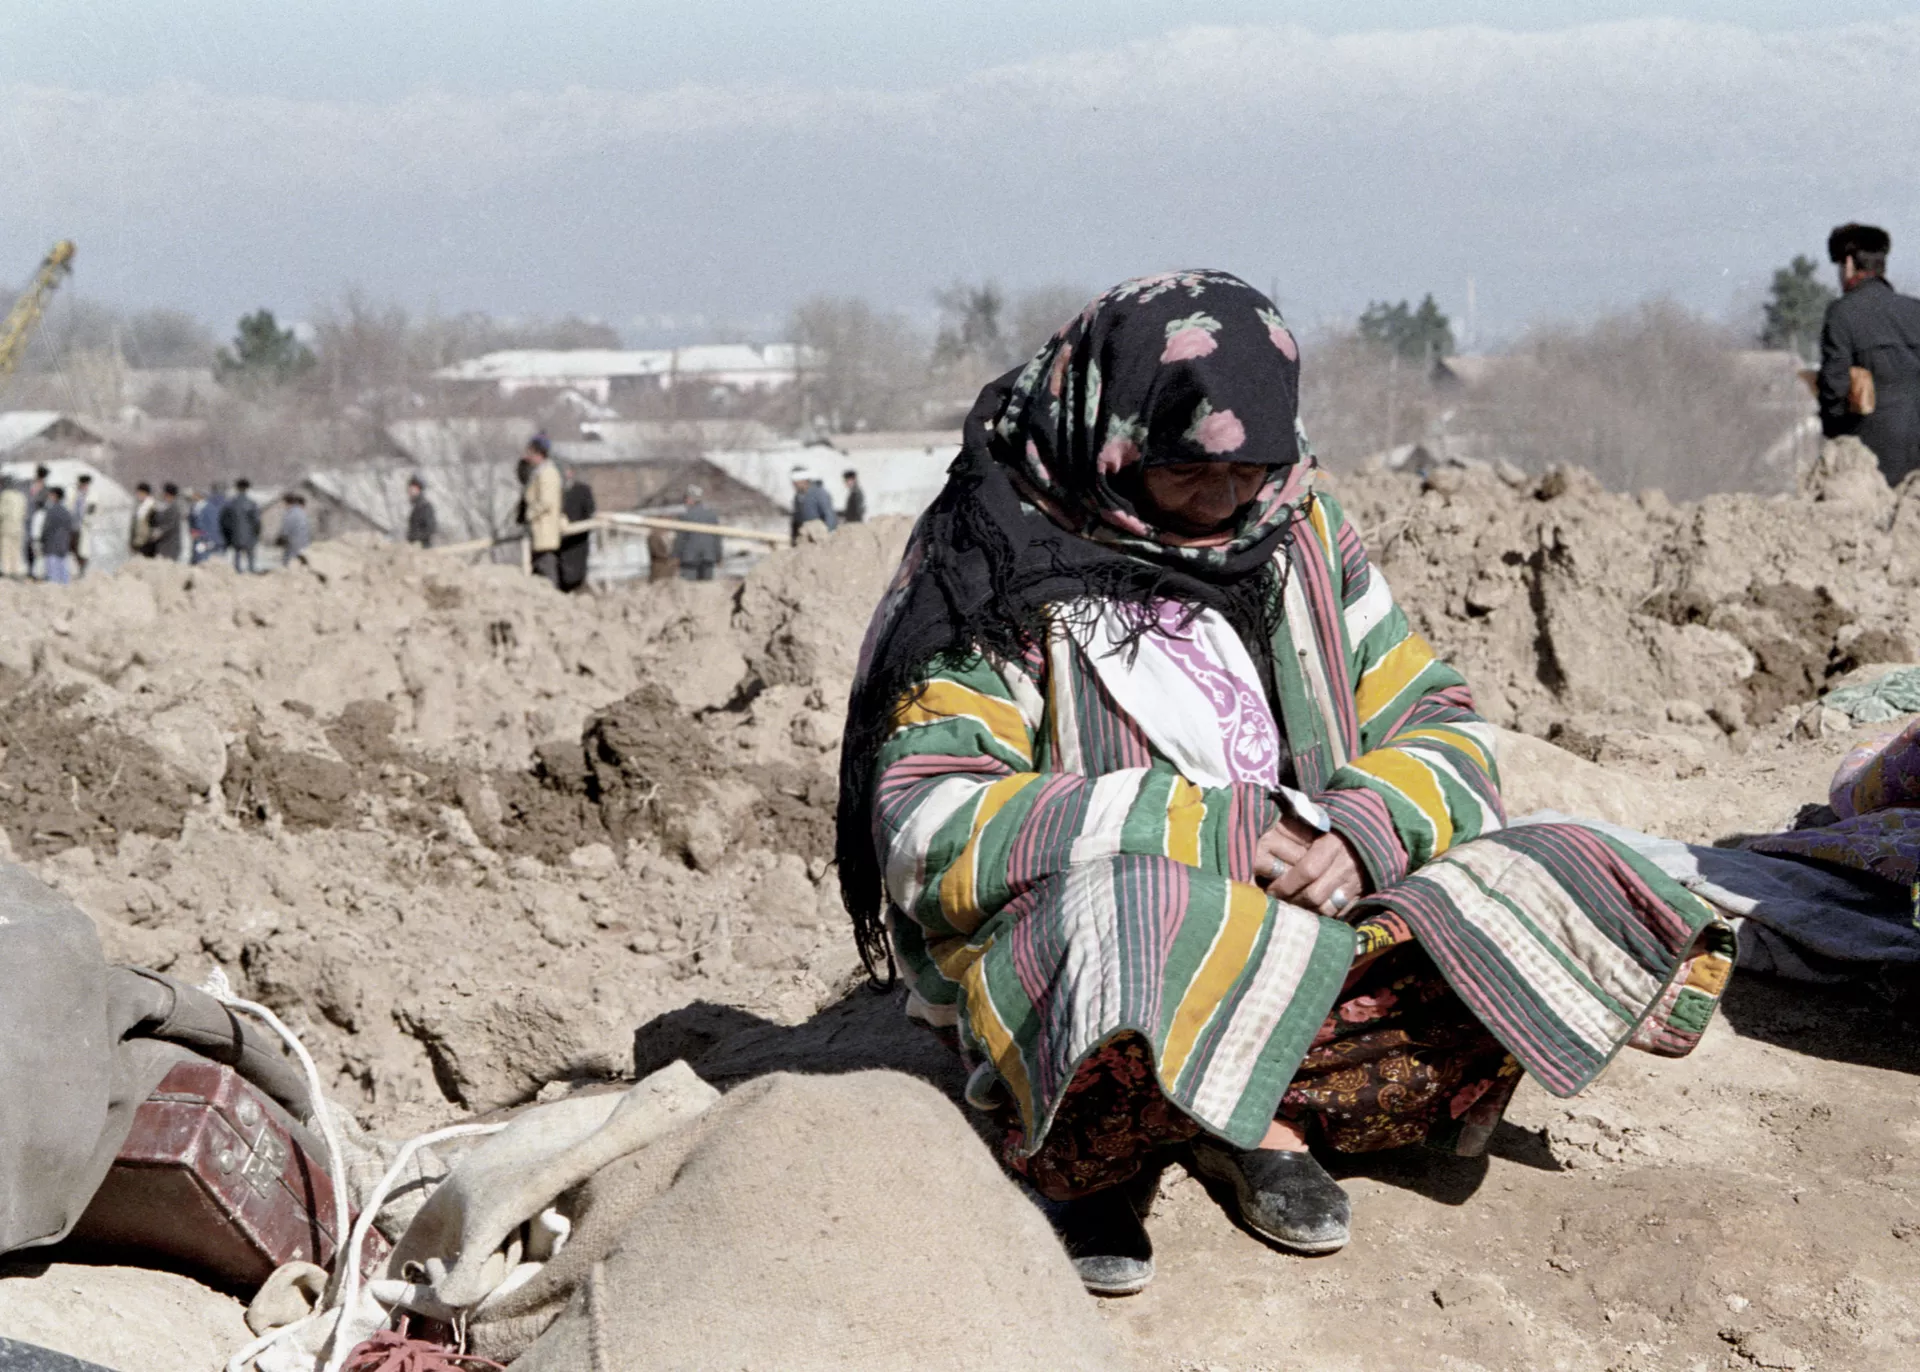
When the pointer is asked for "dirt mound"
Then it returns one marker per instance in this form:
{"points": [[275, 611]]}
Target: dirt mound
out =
{"points": [[465, 834], [1637, 629]]}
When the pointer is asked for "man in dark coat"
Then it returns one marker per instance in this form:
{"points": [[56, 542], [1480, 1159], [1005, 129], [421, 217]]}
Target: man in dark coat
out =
{"points": [[856, 507], [576, 504], [240, 526], [56, 537], [422, 522], [1872, 326], [36, 505], [207, 542], [169, 525], [697, 554]]}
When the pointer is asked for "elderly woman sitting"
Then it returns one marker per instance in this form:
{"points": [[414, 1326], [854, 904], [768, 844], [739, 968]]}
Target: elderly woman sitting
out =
{"points": [[1187, 839]]}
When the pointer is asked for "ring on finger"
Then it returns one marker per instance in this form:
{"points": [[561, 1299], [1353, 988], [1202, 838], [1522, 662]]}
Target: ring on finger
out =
{"points": [[1278, 870], [1339, 900]]}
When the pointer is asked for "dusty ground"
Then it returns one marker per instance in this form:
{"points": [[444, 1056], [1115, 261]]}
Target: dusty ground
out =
{"points": [[469, 836]]}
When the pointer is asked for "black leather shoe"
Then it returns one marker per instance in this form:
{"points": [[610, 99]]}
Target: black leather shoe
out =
{"points": [[1106, 1239], [1286, 1198]]}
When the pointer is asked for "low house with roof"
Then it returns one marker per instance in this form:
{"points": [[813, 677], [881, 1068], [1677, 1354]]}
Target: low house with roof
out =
{"points": [[53, 432], [609, 375]]}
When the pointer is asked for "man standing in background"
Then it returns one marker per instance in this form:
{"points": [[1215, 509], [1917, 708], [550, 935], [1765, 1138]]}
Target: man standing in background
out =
{"points": [[56, 537], [1870, 354], [856, 508], [240, 526], [82, 523], [169, 526], [698, 554], [140, 528], [811, 501], [544, 501], [13, 528], [36, 507], [296, 530], [207, 542], [422, 523], [576, 549]]}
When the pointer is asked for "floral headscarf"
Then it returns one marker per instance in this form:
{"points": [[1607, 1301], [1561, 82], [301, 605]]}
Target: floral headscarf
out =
{"points": [[1188, 367], [1184, 367]]}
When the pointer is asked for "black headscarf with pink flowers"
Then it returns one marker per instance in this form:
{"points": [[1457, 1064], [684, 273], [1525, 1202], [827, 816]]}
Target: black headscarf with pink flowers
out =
{"points": [[1040, 510]]}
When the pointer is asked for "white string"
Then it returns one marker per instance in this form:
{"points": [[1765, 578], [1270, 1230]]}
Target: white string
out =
{"points": [[350, 1275], [343, 1291], [221, 990]]}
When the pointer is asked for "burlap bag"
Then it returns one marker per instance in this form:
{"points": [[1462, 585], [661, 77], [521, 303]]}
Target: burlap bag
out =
{"points": [[806, 1222]]}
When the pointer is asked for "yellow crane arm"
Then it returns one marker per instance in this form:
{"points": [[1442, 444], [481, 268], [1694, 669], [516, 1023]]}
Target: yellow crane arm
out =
{"points": [[32, 303]]}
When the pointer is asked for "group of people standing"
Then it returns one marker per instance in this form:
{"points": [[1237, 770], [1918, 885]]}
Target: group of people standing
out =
{"points": [[812, 502], [177, 526], [550, 502], [692, 555], [42, 536]]}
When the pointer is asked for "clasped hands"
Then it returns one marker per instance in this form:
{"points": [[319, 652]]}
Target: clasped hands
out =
{"points": [[1302, 866]]}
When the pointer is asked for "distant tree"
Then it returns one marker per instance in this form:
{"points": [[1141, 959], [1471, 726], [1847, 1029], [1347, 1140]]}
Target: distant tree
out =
{"points": [[364, 349], [869, 369], [971, 326], [1796, 308], [1423, 334], [166, 338], [262, 351], [1038, 313]]}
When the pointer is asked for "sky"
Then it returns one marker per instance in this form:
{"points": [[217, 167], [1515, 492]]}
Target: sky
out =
{"points": [[706, 164]]}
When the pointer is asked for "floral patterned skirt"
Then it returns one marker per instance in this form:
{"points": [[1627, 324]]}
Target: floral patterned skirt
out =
{"points": [[1400, 1060]]}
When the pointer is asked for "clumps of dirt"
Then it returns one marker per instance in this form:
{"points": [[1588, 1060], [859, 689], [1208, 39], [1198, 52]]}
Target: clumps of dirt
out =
{"points": [[1637, 630], [69, 779], [1793, 632], [304, 790], [655, 773], [644, 771], [644, 759]]}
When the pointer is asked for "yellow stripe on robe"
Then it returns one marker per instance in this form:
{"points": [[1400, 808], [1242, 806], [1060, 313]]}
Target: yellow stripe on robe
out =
{"points": [[1186, 813], [939, 701], [1225, 961], [1709, 973], [957, 883], [995, 1037], [1391, 675], [954, 955], [1317, 515], [1453, 738], [1410, 777]]}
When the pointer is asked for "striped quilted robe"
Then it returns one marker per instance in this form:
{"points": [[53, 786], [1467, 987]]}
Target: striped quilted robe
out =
{"points": [[1055, 881]]}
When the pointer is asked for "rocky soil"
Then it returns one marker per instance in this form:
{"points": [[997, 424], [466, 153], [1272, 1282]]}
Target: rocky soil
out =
{"points": [[469, 836]]}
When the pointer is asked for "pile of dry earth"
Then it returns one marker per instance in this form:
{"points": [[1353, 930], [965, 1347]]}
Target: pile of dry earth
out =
{"points": [[467, 835]]}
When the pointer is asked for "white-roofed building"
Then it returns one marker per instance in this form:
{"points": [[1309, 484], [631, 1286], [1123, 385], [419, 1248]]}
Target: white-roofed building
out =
{"points": [[44, 429], [604, 374]]}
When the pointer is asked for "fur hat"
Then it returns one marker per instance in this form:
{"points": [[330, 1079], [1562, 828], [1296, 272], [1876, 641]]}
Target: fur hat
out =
{"points": [[1849, 240]]}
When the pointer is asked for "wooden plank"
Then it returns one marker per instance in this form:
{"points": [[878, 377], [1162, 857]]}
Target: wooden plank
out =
{"points": [[681, 525], [628, 523]]}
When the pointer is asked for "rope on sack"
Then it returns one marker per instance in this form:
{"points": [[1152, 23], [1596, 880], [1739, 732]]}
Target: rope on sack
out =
{"points": [[350, 1275], [343, 1290]]}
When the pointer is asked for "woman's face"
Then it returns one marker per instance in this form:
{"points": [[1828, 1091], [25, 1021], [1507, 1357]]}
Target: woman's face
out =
{"points": [[1199, 498]]}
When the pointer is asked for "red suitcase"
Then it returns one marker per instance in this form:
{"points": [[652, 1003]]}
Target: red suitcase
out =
{"points": [[219, 1178]]}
